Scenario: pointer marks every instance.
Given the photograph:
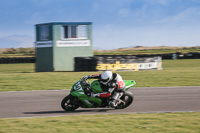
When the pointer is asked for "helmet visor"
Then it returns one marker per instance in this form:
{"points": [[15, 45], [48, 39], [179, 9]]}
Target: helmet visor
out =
{"points": [[105, 81]]}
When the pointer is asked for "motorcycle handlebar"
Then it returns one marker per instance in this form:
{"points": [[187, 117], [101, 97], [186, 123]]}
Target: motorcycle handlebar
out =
{"points": [[84, 81]]}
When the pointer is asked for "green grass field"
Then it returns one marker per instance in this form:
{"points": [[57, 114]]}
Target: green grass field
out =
{"points": [[147, 51], [118, 123], [20, 77]]}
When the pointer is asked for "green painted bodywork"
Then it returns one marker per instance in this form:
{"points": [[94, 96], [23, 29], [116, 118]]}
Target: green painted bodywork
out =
{"points": [[96, 88], [129, 83], [44, 62], [87, 100]]}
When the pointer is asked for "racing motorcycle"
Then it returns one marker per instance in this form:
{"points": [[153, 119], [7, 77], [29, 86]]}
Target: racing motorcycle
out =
{"points": [[79, 96]]}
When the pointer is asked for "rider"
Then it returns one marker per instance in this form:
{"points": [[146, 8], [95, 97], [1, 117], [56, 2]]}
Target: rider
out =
{"points": [[109, 82]]}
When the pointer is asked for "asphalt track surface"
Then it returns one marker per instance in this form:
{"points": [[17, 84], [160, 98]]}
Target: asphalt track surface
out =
{"points": [[146, 100]]}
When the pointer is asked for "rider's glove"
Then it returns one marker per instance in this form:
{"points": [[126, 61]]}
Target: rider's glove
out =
{"points": [[89, 76], [94, 95], [85, 77]]}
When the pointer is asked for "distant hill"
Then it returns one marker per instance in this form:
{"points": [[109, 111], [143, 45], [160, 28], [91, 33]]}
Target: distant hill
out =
{"points": [[147, 50], [143, 48], [14, 52]]}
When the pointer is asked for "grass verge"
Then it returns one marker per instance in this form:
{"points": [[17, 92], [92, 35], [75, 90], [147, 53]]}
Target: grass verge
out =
{"points": [[20, 77], [126, 123], [145, 50]]}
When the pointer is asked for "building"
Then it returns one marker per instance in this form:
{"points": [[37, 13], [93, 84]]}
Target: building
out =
{"points": [[58, 43]]}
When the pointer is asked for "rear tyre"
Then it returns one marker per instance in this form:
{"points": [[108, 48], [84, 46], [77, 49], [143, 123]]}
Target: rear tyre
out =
{"points": [[126, 100], [70, 103]]}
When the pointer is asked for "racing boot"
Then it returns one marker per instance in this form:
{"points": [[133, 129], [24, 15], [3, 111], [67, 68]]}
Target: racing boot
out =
{"points": [[113, 102], [115, 99]]}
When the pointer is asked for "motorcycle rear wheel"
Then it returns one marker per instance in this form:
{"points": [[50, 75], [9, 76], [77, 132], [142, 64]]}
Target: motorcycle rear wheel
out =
{"points": [[70, 103], [126, 99]]}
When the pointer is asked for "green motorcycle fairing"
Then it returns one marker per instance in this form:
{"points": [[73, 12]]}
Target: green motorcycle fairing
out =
{"points": [[88, 101], [77, 91], [129, 83], [96, 87]]}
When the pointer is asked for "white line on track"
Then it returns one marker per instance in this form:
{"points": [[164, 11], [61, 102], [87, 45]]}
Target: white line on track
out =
{"points": [[117, 113]]}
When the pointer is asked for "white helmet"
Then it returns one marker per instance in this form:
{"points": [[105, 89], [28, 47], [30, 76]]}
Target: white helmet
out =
{"points": [[106, 77]]}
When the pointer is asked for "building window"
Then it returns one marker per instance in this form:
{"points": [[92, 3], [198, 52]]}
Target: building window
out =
{"points": [[44, 32], [82, 31], [75, 31]]}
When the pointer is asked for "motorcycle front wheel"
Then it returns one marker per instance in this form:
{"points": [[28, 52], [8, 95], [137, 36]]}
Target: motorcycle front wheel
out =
{"points": [[125, 100], [70, 103]]}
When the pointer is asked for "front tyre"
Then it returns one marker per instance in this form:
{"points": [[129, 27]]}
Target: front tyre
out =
{"points": [[125, 100], [70, 103]]}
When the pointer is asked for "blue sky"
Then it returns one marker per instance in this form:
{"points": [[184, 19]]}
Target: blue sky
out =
{"points": [[116, 23]]}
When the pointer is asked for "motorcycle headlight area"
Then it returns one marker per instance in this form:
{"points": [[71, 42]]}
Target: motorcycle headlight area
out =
{"points": [[77, 86]]}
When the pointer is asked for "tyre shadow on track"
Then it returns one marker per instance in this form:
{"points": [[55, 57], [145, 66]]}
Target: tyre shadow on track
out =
{"points": [[76, 111]]}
